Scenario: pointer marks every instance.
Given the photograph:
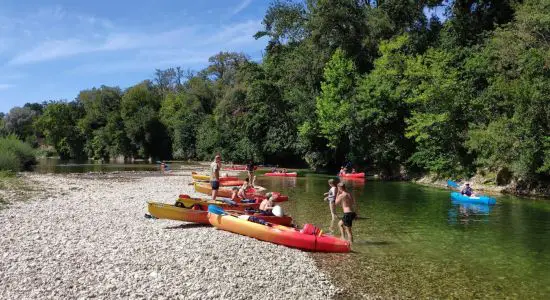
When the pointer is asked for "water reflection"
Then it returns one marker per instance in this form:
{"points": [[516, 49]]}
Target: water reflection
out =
{"points": [[463, 213]]}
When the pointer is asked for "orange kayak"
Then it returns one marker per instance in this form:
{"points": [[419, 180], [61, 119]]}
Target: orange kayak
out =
{"points": [[206, 188], [172, 212], [279, 234]]}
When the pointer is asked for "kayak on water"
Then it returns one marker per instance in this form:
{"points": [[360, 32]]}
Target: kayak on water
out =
{"points": [[206, 188], [173, 212], [186, 201], [352, 175], [473, 199], [198, 176], [293, 174], [310, 238]]}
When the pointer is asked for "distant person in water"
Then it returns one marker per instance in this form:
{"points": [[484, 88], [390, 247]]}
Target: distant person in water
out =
{"points": [[215, 168], [330, 196], [250, 170], [467, 190], [345, 199]]}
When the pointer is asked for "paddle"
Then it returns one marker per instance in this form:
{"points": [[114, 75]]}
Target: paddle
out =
{"points": [[452, 184]]}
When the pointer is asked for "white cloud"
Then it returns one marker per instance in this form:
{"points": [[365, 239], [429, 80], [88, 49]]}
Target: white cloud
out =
{"points": [[5, 86], [244, 4]]}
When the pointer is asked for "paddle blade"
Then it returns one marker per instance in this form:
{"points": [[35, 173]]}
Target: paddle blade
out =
{"points": [[452, 184], [214, 209]]}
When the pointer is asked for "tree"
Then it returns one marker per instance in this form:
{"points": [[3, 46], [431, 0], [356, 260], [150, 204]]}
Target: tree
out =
{"points": [[19, 122], [58, 123], [139, 111]]}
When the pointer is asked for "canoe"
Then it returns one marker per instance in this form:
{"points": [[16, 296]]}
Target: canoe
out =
{"points": [[352, 175], [232, 183], [474, 199], [202, 204], [206, 188], [198, 176], [279, 234], [172, 212], [293, 174]]}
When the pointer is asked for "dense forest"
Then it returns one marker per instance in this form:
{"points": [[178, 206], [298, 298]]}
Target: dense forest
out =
{"points": [[383, 84]]}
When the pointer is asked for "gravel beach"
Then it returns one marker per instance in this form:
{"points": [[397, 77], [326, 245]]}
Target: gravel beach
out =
{"points": [[85, 235]]}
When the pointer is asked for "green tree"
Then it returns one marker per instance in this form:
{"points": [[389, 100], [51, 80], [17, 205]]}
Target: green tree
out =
{"points": [[58, 124]]}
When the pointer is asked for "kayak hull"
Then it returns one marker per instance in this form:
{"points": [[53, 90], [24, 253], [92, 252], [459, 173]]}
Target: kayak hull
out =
{"points": [[280, 235], [475, 199], [293, 174], [172, 212], [206, 188], [352, 175]]}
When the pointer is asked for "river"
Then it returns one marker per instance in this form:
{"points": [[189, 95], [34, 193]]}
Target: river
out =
{"points": [[412, 242]]}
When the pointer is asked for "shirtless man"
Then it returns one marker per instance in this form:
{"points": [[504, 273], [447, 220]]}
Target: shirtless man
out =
{"points": [[348, 206], [215, 168]]}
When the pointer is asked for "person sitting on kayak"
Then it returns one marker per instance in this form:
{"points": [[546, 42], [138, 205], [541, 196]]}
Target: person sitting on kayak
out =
{"points": [[342, 171], [266, 206], [467, 190], [353, 171], [242, 190], [235, 194]]}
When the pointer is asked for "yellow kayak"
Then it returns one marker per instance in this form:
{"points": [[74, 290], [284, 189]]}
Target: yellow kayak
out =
{"points": [[173, 212], [203, 177]]}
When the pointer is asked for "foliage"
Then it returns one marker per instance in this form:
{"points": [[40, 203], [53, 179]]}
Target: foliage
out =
{"points": [[16, 155]]}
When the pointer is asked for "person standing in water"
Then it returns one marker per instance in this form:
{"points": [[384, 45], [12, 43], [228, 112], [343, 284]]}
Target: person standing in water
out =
{"points": [[215, 168], [330, 196], [250, 169], [345, 199]]}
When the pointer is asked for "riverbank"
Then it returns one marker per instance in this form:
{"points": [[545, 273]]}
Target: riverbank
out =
{"points": [[85, 235], [481, 184]]}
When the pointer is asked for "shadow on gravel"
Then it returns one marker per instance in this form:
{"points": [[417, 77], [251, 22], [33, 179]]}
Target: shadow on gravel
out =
{"points": [[187, 226]]}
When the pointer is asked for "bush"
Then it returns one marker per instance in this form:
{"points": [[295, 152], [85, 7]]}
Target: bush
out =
{"points": [[16, 155]]}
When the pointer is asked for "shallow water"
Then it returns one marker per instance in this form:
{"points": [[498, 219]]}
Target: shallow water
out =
{"points": [[411, 241], [54, 165]]}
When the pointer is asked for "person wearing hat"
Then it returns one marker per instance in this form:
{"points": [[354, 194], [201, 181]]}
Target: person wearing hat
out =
{"points": [[215, 168], [467, 190]]}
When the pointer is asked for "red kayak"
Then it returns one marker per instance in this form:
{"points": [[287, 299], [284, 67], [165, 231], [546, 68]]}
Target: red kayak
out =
{"points": [[205, 188], [353, 175], [237, 168], [293, 174]]}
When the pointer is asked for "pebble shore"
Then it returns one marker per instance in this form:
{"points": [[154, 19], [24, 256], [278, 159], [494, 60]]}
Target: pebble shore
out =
{"points": [[85, 236]]}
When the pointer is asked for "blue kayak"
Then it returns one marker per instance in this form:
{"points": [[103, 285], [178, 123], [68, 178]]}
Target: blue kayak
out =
{"points": [[474, 199]]}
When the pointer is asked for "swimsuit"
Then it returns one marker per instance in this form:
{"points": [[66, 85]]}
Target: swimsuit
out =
{"points": [[331, 195], [215, 184], [347, 219]]}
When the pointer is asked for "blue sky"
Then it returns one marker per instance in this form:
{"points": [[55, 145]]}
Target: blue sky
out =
{"points": [[52, 50]]}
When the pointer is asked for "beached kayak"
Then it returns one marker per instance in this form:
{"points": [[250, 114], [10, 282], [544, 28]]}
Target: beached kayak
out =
{"points": [[232, 183], [278, 234], [293, 174], [352, 175], [186, 201], [206, 188], [172, 212], [203, 177], [474, 199]]}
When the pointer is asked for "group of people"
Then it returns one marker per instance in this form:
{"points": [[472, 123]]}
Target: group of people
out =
{"points": [[339, 195], [276, 170], [343, 170]]}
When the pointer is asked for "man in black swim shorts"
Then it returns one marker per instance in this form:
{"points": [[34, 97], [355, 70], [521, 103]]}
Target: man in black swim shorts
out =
{"points": [[348, 206]]}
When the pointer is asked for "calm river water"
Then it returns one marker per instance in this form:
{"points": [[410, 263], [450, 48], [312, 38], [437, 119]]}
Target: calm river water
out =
{"points": [[411, 241]]}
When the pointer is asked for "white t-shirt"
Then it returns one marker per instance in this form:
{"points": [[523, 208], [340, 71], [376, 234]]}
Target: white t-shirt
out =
{"points": [[332, 194], [214, 170]]}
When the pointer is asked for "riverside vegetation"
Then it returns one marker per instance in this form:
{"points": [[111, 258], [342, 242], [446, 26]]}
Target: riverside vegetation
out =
{"points": [[379, 83]]}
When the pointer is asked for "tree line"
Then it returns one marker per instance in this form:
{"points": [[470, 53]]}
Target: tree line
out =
{"points": [[378, 83]]}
